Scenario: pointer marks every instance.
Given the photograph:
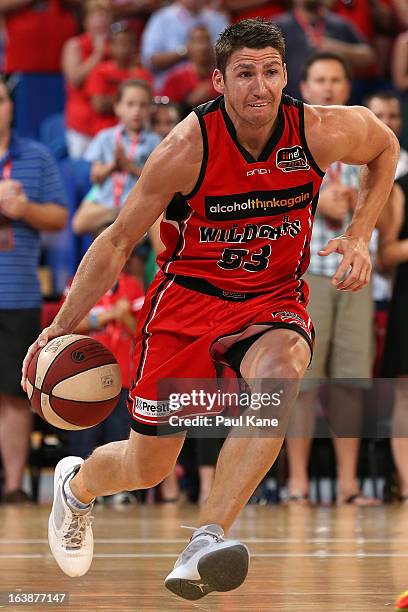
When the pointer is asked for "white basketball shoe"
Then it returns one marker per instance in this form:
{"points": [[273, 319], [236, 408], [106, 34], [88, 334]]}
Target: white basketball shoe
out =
{"points": [[209, 563], [69, 531]]}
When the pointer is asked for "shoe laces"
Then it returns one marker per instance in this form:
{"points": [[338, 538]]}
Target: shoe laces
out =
{"points": [[76, 531], [218, 537]]}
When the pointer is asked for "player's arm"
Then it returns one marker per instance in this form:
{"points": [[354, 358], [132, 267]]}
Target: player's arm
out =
{"points": [[173, 167], [392, 251], [354, 135]]}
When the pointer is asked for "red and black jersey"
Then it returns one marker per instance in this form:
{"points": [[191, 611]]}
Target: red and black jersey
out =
{"points": [[246, 226]]}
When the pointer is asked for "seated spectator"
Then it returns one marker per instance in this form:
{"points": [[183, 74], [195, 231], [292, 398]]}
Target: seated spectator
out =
{"points": [[104, 80], [164, 117], [32, 200], [117, 155], [310, 27], [35, 35], [166, 34], [80, 55], [191, 83]]}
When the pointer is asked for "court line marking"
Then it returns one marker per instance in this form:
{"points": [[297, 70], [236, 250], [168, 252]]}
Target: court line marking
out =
{"points": [[315, 555], [356, 540]]}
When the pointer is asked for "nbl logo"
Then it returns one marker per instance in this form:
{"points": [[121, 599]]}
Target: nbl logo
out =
{"points": [[77, 356], [291, 159]]}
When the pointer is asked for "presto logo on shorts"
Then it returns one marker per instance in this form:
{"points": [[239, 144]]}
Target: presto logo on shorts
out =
{"points": [[151, 408], [257, 203]]}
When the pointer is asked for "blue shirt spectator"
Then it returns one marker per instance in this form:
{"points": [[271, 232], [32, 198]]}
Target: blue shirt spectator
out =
{"points": [[30, 164], [167, 32], [102, 149]]}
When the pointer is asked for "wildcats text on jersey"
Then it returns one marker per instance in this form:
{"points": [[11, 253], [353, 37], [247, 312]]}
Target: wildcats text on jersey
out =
{"points": [[250, 231], [257, 203]]}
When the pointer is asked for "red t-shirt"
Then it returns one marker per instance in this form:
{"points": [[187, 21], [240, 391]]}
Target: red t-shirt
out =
{"points": [[182, 81], [79, 113], [104, 80], [266, 11], [358, 13], [116, 336], [36, 35]]}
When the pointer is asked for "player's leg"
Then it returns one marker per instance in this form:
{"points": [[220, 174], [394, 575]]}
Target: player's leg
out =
{"points": [[299, 442], [351, 363], [278, 355], [210, 562], [15, 429], [322, 310], [137, 463]]}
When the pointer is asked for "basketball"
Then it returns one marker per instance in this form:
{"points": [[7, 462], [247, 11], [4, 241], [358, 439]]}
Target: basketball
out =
{"points": [[73, 382]]}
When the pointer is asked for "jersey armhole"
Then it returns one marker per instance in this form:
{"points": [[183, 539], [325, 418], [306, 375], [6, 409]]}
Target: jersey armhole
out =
{"points": [[304, 141], [205, 157]]}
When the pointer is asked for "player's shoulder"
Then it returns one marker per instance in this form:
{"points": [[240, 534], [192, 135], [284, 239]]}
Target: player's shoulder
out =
{"points": [[330, 120]]}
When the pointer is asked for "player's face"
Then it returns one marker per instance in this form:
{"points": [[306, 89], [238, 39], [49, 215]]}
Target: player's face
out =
{"points": [[326, 84], [133, 108], [253, 84], [6, 109], [389, 112]]}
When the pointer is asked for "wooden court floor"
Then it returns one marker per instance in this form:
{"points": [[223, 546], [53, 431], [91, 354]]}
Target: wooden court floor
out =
{"points": [[303, 559]]}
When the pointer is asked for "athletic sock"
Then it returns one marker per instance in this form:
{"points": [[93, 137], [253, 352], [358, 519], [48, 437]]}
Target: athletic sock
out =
{"points": [[71, 500]]}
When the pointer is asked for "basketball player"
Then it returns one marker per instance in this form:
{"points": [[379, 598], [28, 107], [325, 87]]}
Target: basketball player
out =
{"points": [[248, 167]]}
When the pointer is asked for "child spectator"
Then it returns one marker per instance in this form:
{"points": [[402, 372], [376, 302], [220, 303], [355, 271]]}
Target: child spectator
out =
{"points": [[80, 55], [117, 155], [104, 80], [164, 117]]}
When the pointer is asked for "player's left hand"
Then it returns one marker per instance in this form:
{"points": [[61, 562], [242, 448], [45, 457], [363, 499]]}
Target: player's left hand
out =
{"points": [[354, 270]]}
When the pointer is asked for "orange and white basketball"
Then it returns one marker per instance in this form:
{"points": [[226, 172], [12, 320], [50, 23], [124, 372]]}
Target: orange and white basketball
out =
{"points": [[73, 382]]}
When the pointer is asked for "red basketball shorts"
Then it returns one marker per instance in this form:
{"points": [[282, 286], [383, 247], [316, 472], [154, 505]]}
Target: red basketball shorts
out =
{"points": [[183, 333]]}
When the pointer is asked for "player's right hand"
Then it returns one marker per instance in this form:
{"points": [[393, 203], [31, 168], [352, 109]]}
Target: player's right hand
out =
{"points": [[53, 331]]}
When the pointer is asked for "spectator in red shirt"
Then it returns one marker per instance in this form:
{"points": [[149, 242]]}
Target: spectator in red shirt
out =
{"points": [[191, 83], [80, 55], [104, 80], [35, 34]]}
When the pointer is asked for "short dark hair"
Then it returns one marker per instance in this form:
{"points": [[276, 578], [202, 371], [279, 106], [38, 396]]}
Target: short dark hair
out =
{"points": [[252, 33], [132, 83], [326, 55], [385, 95]]}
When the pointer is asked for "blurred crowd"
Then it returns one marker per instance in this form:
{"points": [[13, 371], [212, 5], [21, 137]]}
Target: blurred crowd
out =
{"points": [[90, 88]]}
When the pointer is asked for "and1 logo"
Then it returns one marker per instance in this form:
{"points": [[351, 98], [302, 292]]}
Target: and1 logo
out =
{"points": [[291, 159]]}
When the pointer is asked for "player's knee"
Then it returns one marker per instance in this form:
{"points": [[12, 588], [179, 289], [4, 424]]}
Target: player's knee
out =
{"points": [[280, 365]]}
